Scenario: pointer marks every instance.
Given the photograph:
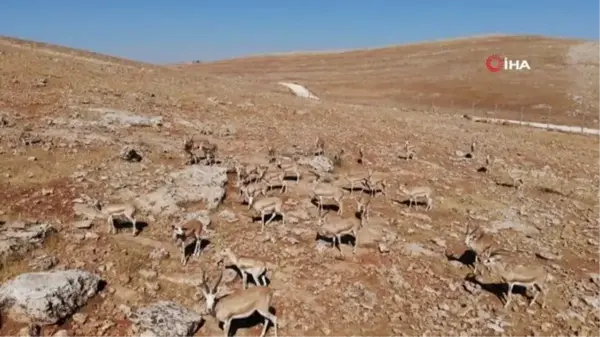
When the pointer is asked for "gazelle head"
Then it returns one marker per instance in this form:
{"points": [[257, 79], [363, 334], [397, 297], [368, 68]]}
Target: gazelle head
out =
{"points": [[490, 258], [178, 232], [96, 204], [210, 294], [362, 206], [470, 235], [225, 253], [251, 200]]}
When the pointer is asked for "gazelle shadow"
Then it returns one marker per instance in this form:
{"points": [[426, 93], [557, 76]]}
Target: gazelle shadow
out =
{"points": [[326, 207], [249, 276], [121, 224], [248, 322]]}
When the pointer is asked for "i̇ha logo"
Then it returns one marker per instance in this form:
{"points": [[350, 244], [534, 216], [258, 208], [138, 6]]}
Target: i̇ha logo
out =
{"points": [[495, 63]]}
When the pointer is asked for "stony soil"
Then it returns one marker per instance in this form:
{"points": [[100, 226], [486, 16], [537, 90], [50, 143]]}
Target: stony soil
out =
{"points": [[68, 114]]}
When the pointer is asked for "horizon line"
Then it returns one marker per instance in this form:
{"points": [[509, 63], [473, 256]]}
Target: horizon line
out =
{"points": [[306, 52]]}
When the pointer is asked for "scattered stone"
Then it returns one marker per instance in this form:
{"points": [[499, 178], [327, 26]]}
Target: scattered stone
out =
{"points": [[166, 318], [83, 224], [126, 118], [416, 249], [19, 238], [159, 254], [383, 248], [229, 216], [130, 155], [148, 274], [43, 263]]}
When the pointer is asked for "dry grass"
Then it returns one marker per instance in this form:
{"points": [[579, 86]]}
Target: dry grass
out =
{"points": [[370, 99], [450, 74]]}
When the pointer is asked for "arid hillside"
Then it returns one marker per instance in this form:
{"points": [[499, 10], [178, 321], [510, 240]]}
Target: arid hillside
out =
{"points": [[450, 75], [87, 137]]}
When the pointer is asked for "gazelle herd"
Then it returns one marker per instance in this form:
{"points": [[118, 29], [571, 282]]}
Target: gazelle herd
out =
{"points": [[255, 184]]}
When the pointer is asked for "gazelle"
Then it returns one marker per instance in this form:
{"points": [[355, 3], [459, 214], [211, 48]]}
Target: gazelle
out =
{"points": [[181, 234], [266, 206], [336, 228], [289, 167], [252, 190], [375, 184], [321, 191], [356, 180], [271, 179], [512, 272], [413, 193], [110, 211], [479, 241], [238, 305], [247, 266]]}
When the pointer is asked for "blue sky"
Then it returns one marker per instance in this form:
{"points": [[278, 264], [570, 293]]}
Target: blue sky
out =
{"points": [[163, 31]]}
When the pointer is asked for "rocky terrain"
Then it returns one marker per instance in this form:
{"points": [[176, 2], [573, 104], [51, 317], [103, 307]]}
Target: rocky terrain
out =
{"points": [[76, 125]]}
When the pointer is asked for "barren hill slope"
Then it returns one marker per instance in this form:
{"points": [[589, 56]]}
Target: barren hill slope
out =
{"points": [[68, 120], [448, 74]]}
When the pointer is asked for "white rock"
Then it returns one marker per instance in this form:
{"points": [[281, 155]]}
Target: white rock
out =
{"points": [[194, 183], [47, 297], [299, 90], [165, 318]]}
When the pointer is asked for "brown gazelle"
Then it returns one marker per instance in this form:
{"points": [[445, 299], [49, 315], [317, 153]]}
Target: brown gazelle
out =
{"points": [[247, 266], [183, 232], [272, 179], [289, 168], [238, 305], [267, 206], [375, 184], [337, 227], [252, 190], [413, 193], [358, 179], [478, 241], [507, 266], [111, 211], [322, 191]]}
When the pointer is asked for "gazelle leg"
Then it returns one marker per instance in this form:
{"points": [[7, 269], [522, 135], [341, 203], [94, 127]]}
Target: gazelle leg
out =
{"points": [[338, 239], [244, 279], [226, 327], [197, 246], [269, 317], [183, 257], [509, 295], [273, 215], [133, 226]]}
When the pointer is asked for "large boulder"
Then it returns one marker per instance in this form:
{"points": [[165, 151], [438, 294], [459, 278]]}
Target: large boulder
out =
{"points": [[47, 297], [165, 318], [318, 163], [194, 183]]}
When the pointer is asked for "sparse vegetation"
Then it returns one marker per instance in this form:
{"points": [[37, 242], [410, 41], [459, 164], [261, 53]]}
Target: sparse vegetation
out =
{"points": [[408, 273]]}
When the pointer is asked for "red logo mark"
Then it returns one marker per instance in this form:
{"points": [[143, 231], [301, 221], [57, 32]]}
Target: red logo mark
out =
{"points": [[494, 63]]}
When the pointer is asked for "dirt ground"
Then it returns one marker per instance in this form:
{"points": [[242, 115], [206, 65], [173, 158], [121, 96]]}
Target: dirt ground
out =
{"points": [[403, 283]]}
